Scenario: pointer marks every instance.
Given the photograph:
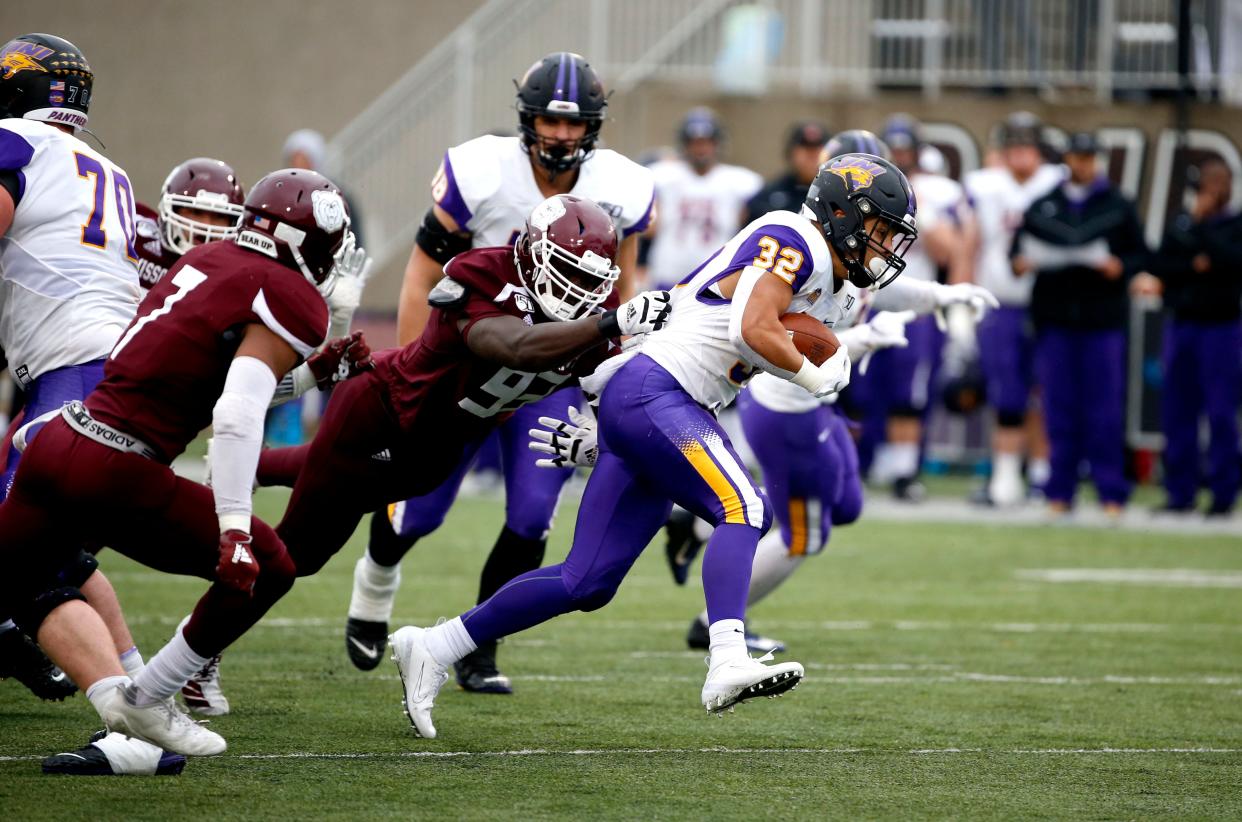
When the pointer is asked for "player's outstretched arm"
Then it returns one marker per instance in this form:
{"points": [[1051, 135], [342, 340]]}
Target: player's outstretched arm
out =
{"points": [[439, 240]]}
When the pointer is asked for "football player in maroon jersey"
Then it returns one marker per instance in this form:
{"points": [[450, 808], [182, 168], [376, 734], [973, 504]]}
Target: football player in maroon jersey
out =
{"points": [[214, 342]]}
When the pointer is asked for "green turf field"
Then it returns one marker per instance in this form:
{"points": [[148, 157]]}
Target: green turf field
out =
{"points": [[946, 678]]}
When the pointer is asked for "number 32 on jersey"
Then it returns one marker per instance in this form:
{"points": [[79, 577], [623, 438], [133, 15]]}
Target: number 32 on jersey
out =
{"points": [[784, 261]]}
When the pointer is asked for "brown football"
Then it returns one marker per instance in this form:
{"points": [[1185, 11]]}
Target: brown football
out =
{"points": [[811, 337]]}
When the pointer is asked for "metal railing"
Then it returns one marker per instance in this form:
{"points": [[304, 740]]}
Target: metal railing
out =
{"points": [[463, 87]]}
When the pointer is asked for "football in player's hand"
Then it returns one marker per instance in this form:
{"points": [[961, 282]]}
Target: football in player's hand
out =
{"points": [[812, 338]]}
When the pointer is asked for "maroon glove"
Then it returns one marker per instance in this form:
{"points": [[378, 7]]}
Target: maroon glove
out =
{"points": [[340, 359], [238, 568]]}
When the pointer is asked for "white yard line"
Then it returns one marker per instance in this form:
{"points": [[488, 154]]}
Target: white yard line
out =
{"points": [[1164, 577]]}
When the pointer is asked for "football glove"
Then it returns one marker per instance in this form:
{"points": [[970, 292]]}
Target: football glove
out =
{"points": [[640, 315], [353, 268], [340, 359], [829, 378], [566, 443], [886, 329], [238, 568], [978, 298]]}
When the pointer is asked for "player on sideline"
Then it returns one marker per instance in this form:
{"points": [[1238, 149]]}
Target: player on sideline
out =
{"points": [[483, 193], [660, 443], [227, 326]]}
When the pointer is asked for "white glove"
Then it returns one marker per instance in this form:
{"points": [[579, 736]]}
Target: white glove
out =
{"points": [[976, 296], [641, 315], [353, 269], [960, 324], [829, 378], [568, 443], [886, 329]]}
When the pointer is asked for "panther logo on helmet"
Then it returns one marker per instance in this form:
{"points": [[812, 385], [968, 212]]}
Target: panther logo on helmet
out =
{"points": [[16, 61], [329, 210], [858, 172]]}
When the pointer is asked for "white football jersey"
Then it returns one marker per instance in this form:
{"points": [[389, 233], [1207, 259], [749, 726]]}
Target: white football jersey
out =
{"points": [[940, 199], [68, 275], [695, 347], [489, 188], [999, 203], [698, 214]]}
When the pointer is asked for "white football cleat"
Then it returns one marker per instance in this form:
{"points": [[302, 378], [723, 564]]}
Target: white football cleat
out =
{"points": [[1006, 491], [739, 680], [421, 677], [202, 694], [162, 724]]}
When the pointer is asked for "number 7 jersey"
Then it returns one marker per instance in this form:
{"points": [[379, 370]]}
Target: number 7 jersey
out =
{"points": [[68, 275]]}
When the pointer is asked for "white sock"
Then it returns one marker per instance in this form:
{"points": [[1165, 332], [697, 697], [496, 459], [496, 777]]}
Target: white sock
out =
{"points": [[132, 662], [127, 755], [103, 688], [772, 566], [1038, 471], [882, 472], [375, 589], [167, 671], [727, 641], [703, 529], [7, 625], [449, 641], [903, 459]]}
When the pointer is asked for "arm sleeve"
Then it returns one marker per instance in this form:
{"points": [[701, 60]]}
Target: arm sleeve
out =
{"points": [[237, 422], [907, 293]]}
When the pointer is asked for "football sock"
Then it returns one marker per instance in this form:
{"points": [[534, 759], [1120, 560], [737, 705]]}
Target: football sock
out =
{"points": [[1038, 471], [132, 662], [128, 755], [726, 570], [7, 625], [511, 556], [772, 566], [883, 470], [1006, 474], [386, 547], [904, 459], [375, 589], [727, 638], [449, 641], [521, 603], [102, 688], [167, 671]]}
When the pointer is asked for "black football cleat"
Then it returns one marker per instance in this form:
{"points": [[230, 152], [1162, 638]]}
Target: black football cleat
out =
{"points": [[21, 659], [477, 673], [683, 546], [698, 638], [93, 761], [365, 641]]}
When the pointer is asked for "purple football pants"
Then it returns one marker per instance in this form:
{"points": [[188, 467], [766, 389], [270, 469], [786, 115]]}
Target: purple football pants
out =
{"points": [[1201, 376], [1005, 354], [531, 492], [48, 392], [656, 445], [1083, 379], [810, 471]]}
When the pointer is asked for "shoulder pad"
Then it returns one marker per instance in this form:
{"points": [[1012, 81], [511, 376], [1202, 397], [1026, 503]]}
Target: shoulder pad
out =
{"points": [[448, 293]]}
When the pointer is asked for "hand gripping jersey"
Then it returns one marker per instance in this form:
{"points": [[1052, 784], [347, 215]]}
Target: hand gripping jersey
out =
{"points": [[68, 282], [154, 259], [167, 370], [438, 385], [488, 187], [698, 214], [695, 347], [999, 203], [940, 200]]}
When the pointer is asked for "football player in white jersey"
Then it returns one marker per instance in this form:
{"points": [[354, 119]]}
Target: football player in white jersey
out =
{"points": [[68, 289], [701, 200], [659, 441], [483, 192], [1000, 197]]}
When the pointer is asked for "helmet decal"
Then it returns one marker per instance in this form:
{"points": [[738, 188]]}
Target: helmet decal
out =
{"points": [[547, 212], [17, 61], [329, 210], [858, 172]]}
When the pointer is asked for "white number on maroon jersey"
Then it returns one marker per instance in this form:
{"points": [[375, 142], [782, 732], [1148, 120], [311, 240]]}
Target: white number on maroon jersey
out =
{"points": [[509, 390], [186, 280]]}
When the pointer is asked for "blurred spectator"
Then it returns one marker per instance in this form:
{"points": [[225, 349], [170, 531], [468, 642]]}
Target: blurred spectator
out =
{"points": [[1200, 266], [700, 201], [306, 148], [1082, 242], [1000, 197], [802, 147]]}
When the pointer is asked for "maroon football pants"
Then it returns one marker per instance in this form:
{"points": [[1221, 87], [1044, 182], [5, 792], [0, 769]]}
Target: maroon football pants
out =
{"points": [[71, 493]]}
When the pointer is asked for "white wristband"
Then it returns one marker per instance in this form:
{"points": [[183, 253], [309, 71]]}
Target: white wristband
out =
{"points": [[230, 522], [808, 376]]}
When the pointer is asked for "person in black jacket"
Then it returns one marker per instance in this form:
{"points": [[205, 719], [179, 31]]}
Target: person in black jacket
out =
{"points": [[1200, 267], [802, 147], [1082, 242]]}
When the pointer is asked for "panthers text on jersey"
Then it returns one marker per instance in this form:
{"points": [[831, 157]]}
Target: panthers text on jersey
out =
{"points": [[698, 214], [437, 384], [168, 368], [489, 188], [999, 203], [68, 282], [154, 259]]}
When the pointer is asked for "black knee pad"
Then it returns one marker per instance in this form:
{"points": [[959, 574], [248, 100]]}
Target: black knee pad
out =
{"points": [[29, 615], [80, 570], [1010, 419]]}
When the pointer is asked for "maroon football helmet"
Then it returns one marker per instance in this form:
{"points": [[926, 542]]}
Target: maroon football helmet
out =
{"points": [[299, 218], [567, 256], [202, 184]]}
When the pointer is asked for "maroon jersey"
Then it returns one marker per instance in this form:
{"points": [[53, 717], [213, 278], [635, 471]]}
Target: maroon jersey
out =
{"points": [[438, 382], [166, 372], [153, 259]]}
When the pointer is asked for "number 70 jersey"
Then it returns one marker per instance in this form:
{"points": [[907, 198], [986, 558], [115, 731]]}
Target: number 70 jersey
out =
{"points": [[68, 275]]}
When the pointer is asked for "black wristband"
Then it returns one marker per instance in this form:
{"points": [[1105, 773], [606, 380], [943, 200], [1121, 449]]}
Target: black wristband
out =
{"points": [[608, 325]]}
